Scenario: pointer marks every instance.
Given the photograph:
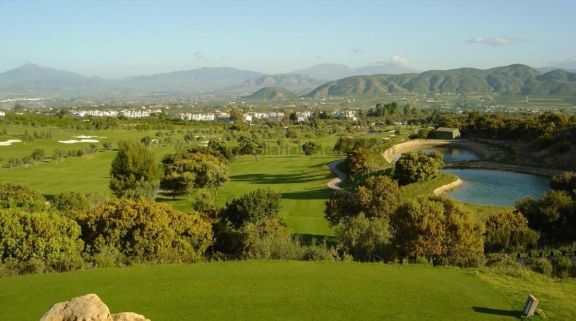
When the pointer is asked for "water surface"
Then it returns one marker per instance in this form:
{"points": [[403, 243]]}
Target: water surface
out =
{"points": [[484, 186]]}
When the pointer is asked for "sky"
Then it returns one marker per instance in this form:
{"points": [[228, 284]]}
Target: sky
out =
{"points": [[116, 38]]}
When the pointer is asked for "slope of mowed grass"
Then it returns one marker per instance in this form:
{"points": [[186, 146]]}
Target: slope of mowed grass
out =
{"points": [[277, 290], [300, 179]]}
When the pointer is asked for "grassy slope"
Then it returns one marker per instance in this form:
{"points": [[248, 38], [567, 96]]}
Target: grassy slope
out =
{"points": [[284, 291]]}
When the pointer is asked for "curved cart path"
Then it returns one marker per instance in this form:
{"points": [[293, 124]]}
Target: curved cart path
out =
{"points": [[333, 184]]}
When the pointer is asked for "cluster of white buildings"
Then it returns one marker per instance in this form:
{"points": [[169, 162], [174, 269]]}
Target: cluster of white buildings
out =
{"points": [[113, 113], [2, 114]]}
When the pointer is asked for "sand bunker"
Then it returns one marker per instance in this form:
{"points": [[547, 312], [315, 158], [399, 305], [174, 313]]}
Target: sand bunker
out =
{"points": [[10, 142], [86, 137], [74, 141]]}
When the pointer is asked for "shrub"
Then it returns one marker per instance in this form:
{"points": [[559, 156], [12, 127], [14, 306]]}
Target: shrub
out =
{"points": [[563, 267], [269, 239], [252, 207], [145, 231], [540, 265], [417, 167], [39, 241], [508, 231], [319, 253], [500, 260], [20, 196], [364, 238]]}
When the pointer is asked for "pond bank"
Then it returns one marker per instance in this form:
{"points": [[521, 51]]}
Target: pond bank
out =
{"points": [[484, 151]]}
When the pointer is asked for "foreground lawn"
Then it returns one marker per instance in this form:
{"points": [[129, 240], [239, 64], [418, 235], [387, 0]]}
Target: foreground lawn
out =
{"points": [[280, 290]]}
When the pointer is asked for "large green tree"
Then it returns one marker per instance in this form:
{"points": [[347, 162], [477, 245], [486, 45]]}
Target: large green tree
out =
{"points": [[377, 197], [417, 167], [135, 173], [439, 229], [357, 161], [183, 173], [252, 207]]}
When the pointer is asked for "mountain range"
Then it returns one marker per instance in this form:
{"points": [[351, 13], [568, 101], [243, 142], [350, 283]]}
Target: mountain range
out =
{"points": [[513, 79], [317, 82]]}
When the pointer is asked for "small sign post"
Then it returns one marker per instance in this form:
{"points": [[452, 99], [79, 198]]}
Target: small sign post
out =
{"points": [[530, 306]]}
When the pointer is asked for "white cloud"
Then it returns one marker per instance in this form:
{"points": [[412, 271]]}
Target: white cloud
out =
{"points": [[495, 41], [394, 60]]}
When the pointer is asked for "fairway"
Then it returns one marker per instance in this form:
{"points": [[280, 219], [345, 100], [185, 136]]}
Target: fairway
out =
{"points": [[277, 290]]}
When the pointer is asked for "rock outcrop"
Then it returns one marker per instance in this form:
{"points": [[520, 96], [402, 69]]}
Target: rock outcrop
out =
{"points": [[88, 307]]}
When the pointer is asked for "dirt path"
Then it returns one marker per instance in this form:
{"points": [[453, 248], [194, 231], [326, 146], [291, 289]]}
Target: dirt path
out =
{"points": [[341, 176]]}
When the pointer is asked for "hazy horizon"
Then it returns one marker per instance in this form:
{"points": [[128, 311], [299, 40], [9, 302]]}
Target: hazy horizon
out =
{"points": [[113, 39]]}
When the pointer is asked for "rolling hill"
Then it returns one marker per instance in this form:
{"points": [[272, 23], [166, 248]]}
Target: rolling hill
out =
{"points": [[513, 79], [272, 93]]}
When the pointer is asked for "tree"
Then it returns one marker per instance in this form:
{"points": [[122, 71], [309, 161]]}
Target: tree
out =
{"points": [[293, 117], [71, 203], [553, 215], [366, 239], [134, 172], [564, 182], [141, 230], [250, 146], [439, 229], [39, 241], [217, 148], [508, 231], [59, 154], [310, 148], [417, 167], [252, 207], [236, 115], [37, 154], [377, 197], [20, 196], [183, 173], [357, 161]]}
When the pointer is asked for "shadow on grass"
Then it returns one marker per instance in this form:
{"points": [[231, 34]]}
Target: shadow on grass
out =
{"points": [[509, 313], [315, 194], [275, 179]]}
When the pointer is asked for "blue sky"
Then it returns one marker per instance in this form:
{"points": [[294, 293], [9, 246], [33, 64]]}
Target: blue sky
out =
{"points": [[115, 38]]}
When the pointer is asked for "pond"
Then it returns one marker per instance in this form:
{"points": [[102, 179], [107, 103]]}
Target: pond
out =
{"points": [[451, 154], [493, 187]]}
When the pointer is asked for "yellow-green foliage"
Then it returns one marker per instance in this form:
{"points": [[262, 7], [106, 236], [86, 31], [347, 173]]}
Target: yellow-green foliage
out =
{"points": [[48, 239], [145, 231]]}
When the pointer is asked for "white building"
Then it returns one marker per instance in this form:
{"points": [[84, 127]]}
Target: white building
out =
{"points": [[2, 114]]}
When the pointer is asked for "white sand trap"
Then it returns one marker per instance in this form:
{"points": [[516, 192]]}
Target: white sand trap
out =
{"points": [[74, 141], [85, 137], [10, 142]]}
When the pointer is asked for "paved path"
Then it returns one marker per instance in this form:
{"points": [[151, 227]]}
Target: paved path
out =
{"points": [[333, 184]]}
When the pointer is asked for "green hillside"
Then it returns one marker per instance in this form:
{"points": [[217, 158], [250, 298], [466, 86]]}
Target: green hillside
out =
{"points": [[292, 290], [513, 79], [272, 93]]}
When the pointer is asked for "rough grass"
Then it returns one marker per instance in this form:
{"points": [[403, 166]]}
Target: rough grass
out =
{"points": [[289, 290]]}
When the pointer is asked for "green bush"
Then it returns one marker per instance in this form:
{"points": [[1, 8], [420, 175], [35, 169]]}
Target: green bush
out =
{"points": [[563, 267], [540, 265], [269, 239], [366, 239], [253, 207], [500, 260], [20, 196], [146, 231], [39, 241], [319, 253]]}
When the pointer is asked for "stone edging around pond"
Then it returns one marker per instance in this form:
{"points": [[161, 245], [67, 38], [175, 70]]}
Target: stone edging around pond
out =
{"points": [[448, 186], [391, 153]]}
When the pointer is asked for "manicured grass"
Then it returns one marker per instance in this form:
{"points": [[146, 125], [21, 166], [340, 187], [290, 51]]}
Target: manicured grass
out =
{"points": [[289, 290], [301, 180]]}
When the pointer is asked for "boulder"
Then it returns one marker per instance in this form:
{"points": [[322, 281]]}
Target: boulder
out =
{"points": [[88, 307], [128, 316]]}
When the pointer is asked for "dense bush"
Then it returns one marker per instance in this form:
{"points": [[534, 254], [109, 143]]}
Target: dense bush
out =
{"points": [[439, 229], [417, 167], [20, 196], [366, 239], [39, 241], [269, 239], [508, 231], [145, 231], [252, 207], [377, 197]]}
